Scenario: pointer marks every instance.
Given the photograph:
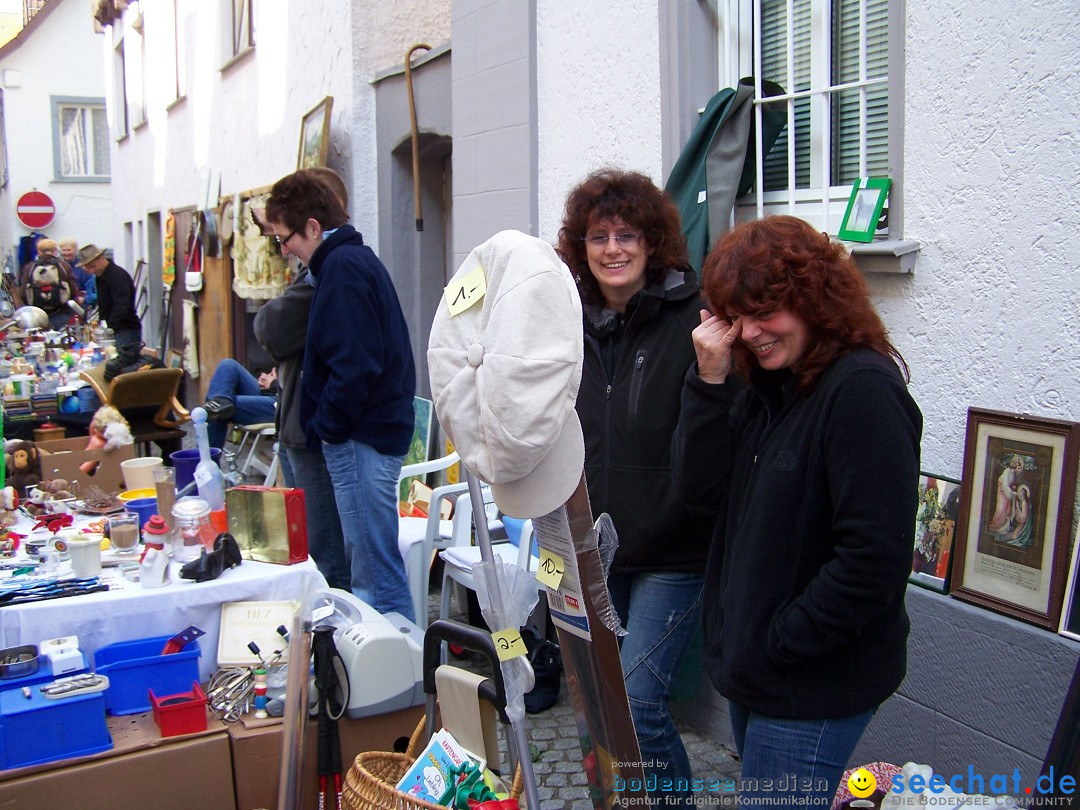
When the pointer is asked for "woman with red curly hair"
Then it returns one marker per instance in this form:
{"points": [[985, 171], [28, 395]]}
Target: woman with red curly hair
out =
{"points": [[622, 239], [812, 476]]}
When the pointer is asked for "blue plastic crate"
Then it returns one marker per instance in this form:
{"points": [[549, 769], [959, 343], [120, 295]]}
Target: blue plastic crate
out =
{"points": [[89, 401], [136, 667], [36, 729]]}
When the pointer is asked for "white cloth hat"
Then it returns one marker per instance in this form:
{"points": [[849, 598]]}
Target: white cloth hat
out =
{"points": [[505, 375]]}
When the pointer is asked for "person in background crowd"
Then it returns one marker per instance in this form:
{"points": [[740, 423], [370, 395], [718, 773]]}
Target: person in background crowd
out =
{"points": [[87, 283], [236, 395], [46, 289], [116, 306], [359, 379], [812, 475], [281, 327], [622, 240]]}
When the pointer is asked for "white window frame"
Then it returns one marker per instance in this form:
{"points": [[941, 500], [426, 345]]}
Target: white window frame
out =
{"points": [[238, 30], [89, 105], [822, 204]]}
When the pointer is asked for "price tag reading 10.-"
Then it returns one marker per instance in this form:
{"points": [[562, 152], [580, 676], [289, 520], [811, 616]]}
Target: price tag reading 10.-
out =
{"points": [[508, 644], [550, 570]]}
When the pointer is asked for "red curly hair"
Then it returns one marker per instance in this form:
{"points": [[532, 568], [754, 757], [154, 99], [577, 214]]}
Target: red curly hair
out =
{"points": [[632, 197], [780, 262]]}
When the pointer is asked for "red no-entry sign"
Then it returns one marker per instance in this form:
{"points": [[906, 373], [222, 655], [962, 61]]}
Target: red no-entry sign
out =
{"points": [[35, 209]]}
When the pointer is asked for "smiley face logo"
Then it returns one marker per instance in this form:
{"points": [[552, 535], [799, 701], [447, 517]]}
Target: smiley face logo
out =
{"points": [[862, 783]]}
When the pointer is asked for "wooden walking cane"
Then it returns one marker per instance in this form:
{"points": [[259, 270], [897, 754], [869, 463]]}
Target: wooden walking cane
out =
{"points": [[420, 46]]}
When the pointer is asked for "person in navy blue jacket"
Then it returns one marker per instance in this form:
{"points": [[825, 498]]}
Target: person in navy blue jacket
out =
{"points": [[812, 474], [358, 380]]}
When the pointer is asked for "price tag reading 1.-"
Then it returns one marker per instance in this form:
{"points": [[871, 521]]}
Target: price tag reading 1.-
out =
{"points": [[509, 644], [462, 293], [550, 570]]}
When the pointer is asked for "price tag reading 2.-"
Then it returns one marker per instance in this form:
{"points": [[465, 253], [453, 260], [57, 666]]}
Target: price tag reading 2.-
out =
{"points": [[462, 293], [509, 644], [550, 570]]}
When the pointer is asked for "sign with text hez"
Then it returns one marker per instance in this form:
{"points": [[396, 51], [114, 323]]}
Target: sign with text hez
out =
{"points": [[35, 209]]}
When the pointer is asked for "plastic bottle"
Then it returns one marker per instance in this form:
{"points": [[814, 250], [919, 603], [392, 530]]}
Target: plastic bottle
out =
{"points": [[208, 477]]}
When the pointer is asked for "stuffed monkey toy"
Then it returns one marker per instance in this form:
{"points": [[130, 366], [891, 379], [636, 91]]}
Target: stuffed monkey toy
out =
{"points": [[22, 464]]}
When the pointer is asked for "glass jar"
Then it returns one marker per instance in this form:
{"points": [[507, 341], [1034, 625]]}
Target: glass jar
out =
{"points": [[191, 531]]}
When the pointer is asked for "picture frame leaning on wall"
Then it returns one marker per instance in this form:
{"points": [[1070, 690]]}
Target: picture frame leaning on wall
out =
{"points": [[935, 531], [1070, 608], [863, 214], [315, 135], [1016, 505]]}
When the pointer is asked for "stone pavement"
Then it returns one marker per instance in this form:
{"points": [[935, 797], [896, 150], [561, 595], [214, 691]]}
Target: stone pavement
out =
{"points": [[556, 752]]}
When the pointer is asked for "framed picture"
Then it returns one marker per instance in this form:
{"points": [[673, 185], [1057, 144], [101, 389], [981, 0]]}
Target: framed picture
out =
{"points": [[935, 530], [1070, 610], [1016, 505], [176, 358], [315, 135], [864, 209]]}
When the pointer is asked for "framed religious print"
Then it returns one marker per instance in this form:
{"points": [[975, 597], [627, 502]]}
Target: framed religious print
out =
{"points": [[315, 135], [1012, 538], [935, 529]]}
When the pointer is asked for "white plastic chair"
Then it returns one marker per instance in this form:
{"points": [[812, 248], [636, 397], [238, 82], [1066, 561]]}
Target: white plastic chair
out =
{"points": [[419, 537], [458, 559]]}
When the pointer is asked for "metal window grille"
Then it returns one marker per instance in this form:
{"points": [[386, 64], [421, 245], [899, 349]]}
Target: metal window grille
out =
{"points": [[831, 57]]}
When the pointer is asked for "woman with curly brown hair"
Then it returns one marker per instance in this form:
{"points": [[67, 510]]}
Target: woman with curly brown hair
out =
{"points": [[812, 475], [622, 239]]}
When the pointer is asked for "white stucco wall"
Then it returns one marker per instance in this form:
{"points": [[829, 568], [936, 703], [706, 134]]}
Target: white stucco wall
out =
{"points": [[990, 317], [61, 56], [243, 122], [598, 74]]}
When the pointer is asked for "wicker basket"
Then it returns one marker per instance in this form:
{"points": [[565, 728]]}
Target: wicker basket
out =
{"points": [[370, 782]]}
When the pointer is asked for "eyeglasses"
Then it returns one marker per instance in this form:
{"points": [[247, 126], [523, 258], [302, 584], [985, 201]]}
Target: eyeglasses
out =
{"points": [[599, 240], [285, 241]]}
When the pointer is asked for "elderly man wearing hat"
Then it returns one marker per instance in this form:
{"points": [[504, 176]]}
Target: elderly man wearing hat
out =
{"points": [[116, 306], [358, 380]]}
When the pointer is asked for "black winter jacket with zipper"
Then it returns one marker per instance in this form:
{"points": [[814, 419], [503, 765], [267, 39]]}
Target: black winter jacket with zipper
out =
{"points": [[816, 499], [628, 404]]}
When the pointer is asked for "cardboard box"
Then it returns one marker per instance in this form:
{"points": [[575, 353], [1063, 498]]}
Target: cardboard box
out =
{"points": [[256, 753], [142, 770], [60, 458]]}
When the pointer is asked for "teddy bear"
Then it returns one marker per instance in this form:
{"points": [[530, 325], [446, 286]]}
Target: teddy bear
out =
{"points": [[108, 430], [22, 464]]}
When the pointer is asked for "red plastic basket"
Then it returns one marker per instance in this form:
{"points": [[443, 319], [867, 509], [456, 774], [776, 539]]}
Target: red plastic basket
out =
{"points": [[184, 713]]}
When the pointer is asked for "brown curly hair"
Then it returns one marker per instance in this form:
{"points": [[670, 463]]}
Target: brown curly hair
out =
{"points": [[302, 195], [631, 196], [781, 262]]}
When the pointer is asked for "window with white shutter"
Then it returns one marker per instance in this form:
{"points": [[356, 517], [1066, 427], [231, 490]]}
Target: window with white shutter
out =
{"points": [[832, 59]]}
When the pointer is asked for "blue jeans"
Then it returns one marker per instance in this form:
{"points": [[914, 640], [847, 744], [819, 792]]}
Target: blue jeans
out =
{"points": [[326, 544], [799, 757], [232, 381], [661, 612], [365, 489]]}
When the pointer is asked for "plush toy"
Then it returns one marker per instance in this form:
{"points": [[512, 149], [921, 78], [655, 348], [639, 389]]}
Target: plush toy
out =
{"points": [[108, 430], [9, 507], [22, 464]]}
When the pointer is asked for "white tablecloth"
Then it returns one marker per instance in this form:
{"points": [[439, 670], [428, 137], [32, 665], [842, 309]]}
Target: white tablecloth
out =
{"points": [[130, 611]]}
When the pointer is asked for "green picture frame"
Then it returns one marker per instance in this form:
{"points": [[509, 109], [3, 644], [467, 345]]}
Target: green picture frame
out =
{"points": [[864, 209]]}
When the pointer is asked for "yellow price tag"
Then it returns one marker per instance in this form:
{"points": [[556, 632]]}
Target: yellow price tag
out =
{"points": [[465, 291], [509, 644], [550, 570]]}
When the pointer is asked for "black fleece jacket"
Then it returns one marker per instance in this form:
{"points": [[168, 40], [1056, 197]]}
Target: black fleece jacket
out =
{"points": [[628, 404], [815, 499], [358, 374]]}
